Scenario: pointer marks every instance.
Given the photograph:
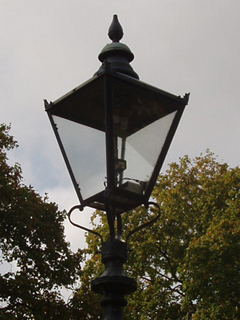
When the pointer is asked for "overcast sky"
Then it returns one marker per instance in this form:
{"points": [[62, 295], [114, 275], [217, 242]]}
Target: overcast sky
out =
{"points": [[48, 47]]}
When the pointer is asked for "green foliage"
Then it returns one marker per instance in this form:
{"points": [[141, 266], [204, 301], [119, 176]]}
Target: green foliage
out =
{"points": [[32, 240], [188, 263]]}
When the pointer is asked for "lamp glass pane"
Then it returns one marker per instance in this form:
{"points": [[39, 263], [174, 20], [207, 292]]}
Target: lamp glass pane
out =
{"points": [[139, 152], [85, 150], [142, 118]]}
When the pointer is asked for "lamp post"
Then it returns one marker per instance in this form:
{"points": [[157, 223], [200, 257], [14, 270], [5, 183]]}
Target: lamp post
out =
{"points": [[114, 132]]}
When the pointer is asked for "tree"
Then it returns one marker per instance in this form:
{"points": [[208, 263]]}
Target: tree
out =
{"points": [[188, 263], [32, 239]]}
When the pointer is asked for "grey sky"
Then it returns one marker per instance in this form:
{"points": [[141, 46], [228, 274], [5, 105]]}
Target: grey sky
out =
{"points": [[49, 47]]}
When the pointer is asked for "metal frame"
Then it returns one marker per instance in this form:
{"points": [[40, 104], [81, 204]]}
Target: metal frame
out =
{"points": [[55, 129], [165, 149]]}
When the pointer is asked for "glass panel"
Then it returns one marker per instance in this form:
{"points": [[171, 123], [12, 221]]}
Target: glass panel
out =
{"points": [[138, 153], [142, 117], [85, 150]]}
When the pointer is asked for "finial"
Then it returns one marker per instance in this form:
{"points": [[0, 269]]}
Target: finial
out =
{"points": [[115, 31], [116, 56]]}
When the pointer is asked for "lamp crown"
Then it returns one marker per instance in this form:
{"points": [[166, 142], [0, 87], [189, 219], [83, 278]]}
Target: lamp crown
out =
{"points": [[116, 55]]}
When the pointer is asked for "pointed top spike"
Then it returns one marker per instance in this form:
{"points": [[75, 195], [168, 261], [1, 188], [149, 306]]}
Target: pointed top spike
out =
{"points": [[115, 31]]}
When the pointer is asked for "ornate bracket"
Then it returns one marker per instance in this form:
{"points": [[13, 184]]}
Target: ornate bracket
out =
{"points": [[79, 226]]}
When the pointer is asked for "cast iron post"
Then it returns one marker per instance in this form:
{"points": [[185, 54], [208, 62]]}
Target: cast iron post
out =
{"points": [[113, 284]]}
